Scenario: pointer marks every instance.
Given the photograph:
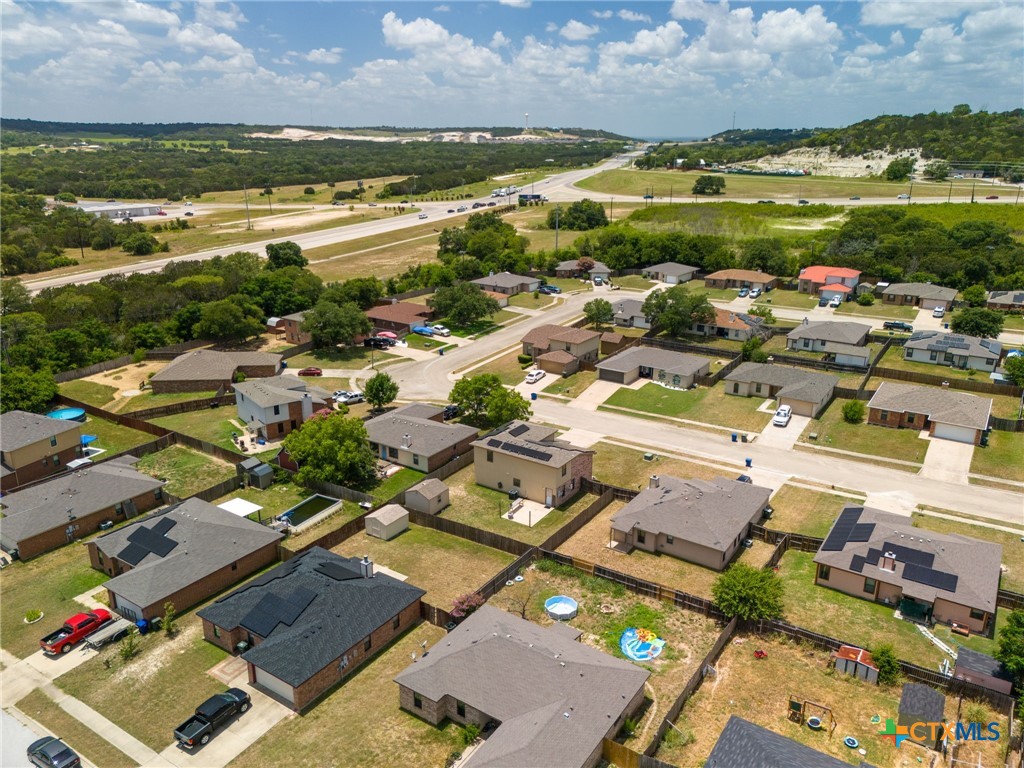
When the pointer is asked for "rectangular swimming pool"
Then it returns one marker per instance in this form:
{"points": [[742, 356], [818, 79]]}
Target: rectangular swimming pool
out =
{"points": [[308, 508]]}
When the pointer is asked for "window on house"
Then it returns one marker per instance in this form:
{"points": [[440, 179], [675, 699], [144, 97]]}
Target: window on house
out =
{"points": [[416, 459], [367, 643], [735, 388], [56, 460], [395, 622], [823, 572], [933, 356], [516, 482], [670, 540], [910, 353], [884, 415], [119, 508], [277, 410], [977, 615], [216, 631], [911, 417], [158, 494], [869, 586], [234, 566], [563, 471], [46, 461], [280, 429], [807, 343], [417, 701], [641, 537], [392, 453], [757, 388], [53, 441], [99, 557], [460, 708], [490, 456]]}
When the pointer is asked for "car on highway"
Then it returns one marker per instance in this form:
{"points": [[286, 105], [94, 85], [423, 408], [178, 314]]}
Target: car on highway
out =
{"points": [[311, 372], [161, 213], [451, 210], [754, 293], [898, 325], [423, 330], [744, 292], [189, 213], [855, 197], [51, 752], [534, 376], [477, 205], [903, 196], [835, 301], [440, 330], [803, 202], [782, 416], [405, 202], [939, 312], [461, 209], [423, 216], [549, 289], [992, 197], [491, 204], [371, 205], [766, 202]]}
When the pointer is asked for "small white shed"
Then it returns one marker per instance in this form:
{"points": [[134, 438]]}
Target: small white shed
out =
{"points": [[428, 496], [387, 522]]}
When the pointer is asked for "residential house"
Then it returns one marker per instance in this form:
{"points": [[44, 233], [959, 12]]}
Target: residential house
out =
{"points": [[727, 324], [700, 521], [954, 350], [981, 669], [842, 342], [416, 442], [309, 623], [944, 412], [670, 272], [557, 349], [571, 268], [745, 745], [399, 317], [293, 332], [629, 313], [73, 505], [1008, 301], [508, 284], [673, 369], [922, 704], [528, 459], [741, 278], [501, 298], [428, 496], [183, 554], [928, 576], [923, 295], [275, 326], [806, 392], [207, 370], [33, 447], [275, 406], [828, 282], [555, 699]]}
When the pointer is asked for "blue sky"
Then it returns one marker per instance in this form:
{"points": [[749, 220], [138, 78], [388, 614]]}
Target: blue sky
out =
{"points": [[645, 69]]}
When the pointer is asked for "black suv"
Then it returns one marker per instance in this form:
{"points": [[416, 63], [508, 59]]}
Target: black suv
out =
{"points": [[898, 325], [450, 411], [377, 342]]}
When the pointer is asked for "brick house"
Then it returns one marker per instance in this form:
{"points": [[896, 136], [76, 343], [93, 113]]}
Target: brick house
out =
{"points": [[418, 441], [273, 407], [73, 505], [33, 447], [571, 268], [670, 272], [183, 554], [508, 284], [814, 280], [944, 412], [557, 349], [816, 337], [399, 316], [923, 295], [208, 370], [311, 622], [727, 324], [1008, 301], [741, 278], [806, 392], [555, 699], [293, 332], [673, 369]]}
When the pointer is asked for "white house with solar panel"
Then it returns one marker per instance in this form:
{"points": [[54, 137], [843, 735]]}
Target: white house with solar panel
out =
{"points": [[927, 577], [954, 350]]}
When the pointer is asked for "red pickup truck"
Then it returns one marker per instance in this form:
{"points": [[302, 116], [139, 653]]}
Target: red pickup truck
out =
{"points": [[74, 629]]}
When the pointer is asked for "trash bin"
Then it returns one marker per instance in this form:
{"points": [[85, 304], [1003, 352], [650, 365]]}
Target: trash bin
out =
{"points": [[441, 351], [946, 326], [143, 626], [750, 462], [533, 395], [734, 437]]}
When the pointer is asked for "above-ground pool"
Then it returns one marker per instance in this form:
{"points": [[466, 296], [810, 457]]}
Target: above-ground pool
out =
{"points": [[561, 607], [307, 509], [640, 644], [68, 414]]}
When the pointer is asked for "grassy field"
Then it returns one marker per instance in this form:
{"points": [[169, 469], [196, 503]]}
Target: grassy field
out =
{"points": [[113, 437], [213, 429], [85, 741], [893, 358], [878, 309], [88, 392], [294, 193], [1005, 407], [1013, 548], [444, 565], [165, 681], [635, 282], [402, 479], [338, 724], [506, 368], [278, 498], [626, 468], [865, 438], [709, 405], [48, 583], [573, 385], [186, 471], [348, 358], [383, 256], [787, 299], [699, 286], [568, 284], [1004, 456], [149, 400], [801, 510], [415, 341], [529, 301]]}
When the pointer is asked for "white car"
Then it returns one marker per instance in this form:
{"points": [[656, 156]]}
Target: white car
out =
{"points": [[754, 293], [440, 330], [782, 416], [423, 216], [903, 196], [534, 376], [939, 312], [835, 302]]}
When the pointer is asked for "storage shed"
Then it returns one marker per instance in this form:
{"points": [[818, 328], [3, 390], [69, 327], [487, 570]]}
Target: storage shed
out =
{"points": [[256, 473], [387, 522], [857, 662], [429, 496], [983, 670], [922, 704]]}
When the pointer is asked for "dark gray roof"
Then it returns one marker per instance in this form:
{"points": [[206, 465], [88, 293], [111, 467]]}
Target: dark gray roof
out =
{"points": [[555, 698], [426, 437], [928, 564], [921, 290], [942, 405], [309, 610], [531, 442], [745, 745], [954, 343], [649, 357], [628, 308], [280, 390], [20, 428], [924, 702], [599, 266], [204, 364], [709, 513], [829, 330], [796, 383], [178, 546], [504, 280], [418, 410], [49, 505], [1006, 297], [671, 268], [975, 661]]}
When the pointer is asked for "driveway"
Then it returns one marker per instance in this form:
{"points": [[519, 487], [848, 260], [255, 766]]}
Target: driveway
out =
{"points": [[783, 438], [947, 460], [595, 395]]}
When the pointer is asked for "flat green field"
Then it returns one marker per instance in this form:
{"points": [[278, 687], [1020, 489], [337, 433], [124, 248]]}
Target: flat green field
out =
{"points": [[113, 437], [707, 405], [868, 439], [1004, 456], [186, 471]]}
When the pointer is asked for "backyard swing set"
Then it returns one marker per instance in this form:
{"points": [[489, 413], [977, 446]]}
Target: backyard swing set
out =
{"points": [[803, 711]]}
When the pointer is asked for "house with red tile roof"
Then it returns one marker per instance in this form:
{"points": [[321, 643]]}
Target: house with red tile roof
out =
{"points": [[819, 279]]}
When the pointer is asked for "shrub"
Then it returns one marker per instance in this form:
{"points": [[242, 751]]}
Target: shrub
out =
{"points": [[853, 412], [33, 615], [629, 726], [866, 299], [888, 664], [975, 713], [464, 605], [525, 359], [169, 620], [470, 733], [330, 184], [138, 355], [129, 647], [309, 191]]}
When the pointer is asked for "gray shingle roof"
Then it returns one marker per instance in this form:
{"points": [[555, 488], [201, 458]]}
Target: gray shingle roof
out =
{"points": [[974, 661], [19, 428], [745, 745], [280, 390], [649, 357], [203, 364], [429, 488], [529, 442], [388, 514], [945, 406], [555, 698], [921, 290], [628, 308], [711, 514], [842, 332], [298, 317], [968, 346], [504, 280], [418, 410], [837, 348], [796, 383], [342, 612], [48, 505], [1006, 297], [862, 535], [670, 268], [426, 437], [205, 539], [922, 701], [571, 264]]}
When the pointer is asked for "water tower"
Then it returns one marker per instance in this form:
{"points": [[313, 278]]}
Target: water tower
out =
{"points": [[527, 129]]}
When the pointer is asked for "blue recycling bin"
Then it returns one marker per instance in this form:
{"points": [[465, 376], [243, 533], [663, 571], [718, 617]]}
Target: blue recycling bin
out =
{"points": [[750, 463], [533, 395], [143, 626], [441, 351], [734, 437]]}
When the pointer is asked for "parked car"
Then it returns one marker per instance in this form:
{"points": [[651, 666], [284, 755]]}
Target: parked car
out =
{"points": [[109, 633], [451, 210], [74, 630], [372, 205], [349, 398], [903, 196], [405, 202], [461, 209], [51, 752], [311, 372], [782, 416], [534, 376], [939, 312], [991, 197], [754, 293], [549, 289], [450, 411], [376, 342], [835, 301], [898, 325], [211, 716], [598, 280], [423, 330], [440, 330], [822, 302], [744, 292]]}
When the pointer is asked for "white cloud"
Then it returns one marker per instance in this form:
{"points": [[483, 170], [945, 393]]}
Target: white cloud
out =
{"points": [[627, 15], [212, 15], [498, 40], [105, 32], [551, 27], [790, 30], [698, 10], [919, 14], [197, 37], [241, 62], [576, 30], [441, 9], [435, 49], [324, 55], [10, 8], [869, 49], [896, 39], [662, 42], [29, 38], [134, 11], [601, 14], [516, 3]]}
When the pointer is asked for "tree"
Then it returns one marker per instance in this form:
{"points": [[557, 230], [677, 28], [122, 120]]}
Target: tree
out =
{"points": [[14, 297], [709, 185], [866, 299], [167, 623], [505, 405], [332, 448], [749, 593], [765, 254], [286, 254], [598, 312], [226, 320], [1011, 646], [581, 215], [140, 244], [975, 296], [975, 321], [363, 291], [1014, 367], [464, 304], [309, 191], [21, 389], [888, 664], [751, 350], [380, 389], [676, 310], [470, 394], [329, 324], [899, 169], [464, 605], [937, 170], [853, 411]]}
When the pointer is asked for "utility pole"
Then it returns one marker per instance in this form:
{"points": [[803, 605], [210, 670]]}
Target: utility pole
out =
{"points": [[950, 195], [611, 215], [78, 226], [245, 193], [558, 213], [972, 190], [910, 193], [670, 187]]}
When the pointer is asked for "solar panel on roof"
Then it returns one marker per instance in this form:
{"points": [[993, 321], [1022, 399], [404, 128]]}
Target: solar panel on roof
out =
{"points": [[154, 542], [297, 602], [164, 524], [930, 577], [532, 453], [519, 430], [494, 443], [338, 572], [862, 532], [907, 555], [132, 554], [857, 563], [841, 530]]}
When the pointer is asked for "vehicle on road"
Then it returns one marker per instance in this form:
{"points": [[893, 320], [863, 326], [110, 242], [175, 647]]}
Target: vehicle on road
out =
{"points": [[211, 716], [423, 330], [477, 205], [903, 196], [803, 202], [109, 633], [311, 372], [782, 416], [754, 293], [598, 280], [51, 752], [549, 289], [744, 292], [766, 202], [372, 205], [189, 213], [450, 411], [491, 204], [991, 197], [74, 630], [404, 202], [451, 210], [822, 302], [422, 216], [440, 330], [898, 325], [939, 312], [461, 209], [835, 301], [855, 197], [534, 376], [161, 213], [349, 398]]}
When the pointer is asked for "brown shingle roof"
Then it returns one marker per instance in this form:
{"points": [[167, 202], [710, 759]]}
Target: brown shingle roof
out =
{"points": [[575, 335], [945, 406], [750, 275], [205, 364], [400, 312], [558, 356]]}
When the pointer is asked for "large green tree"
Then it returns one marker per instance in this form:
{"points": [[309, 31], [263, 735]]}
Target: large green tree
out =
{"points": [[709, 185], [330, 324], [598, 312], [362, 291], [380, 389], [580, 215], [899, 169], [1014, 367], [332, 448], [228, 320], [749, 593], [675, 309], [286, 254], [464, 304], [504, 405], [470, 394], [975, 321], [1011, 646], [21, 389]]}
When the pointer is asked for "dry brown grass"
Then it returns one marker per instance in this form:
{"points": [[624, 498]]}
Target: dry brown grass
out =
{"points": [[625, 467], [801, 510], [382, 262]]}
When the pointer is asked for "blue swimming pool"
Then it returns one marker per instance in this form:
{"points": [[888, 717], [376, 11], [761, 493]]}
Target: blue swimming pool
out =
{"points": [[307, 508], [68, 414]]}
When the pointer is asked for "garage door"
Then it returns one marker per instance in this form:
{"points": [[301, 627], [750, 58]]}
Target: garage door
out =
{"points": [[671, 279], [950, 432], [616, 376], [932, 303], [800, 407], [275, 685]]}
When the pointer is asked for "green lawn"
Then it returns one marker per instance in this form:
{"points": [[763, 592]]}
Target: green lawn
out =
{"points": [[626, 468], [186, 471], [402, 479], [48, 583], [1013, 548], [1004, 456], [568, 284], [1013, 322], [349, 511], [893, 358], [529, 301], [699, 286], [74, 733], [704, 404], [350, 357], [864, 438], [801, 510], [573, 385], [634, 282], [88, 392], [434, 343], [507, 368], [779, 298], [212, 426], [878, 309], [1005, 407], [149, 400], [481, 327], [113, 437], [278, 498]]}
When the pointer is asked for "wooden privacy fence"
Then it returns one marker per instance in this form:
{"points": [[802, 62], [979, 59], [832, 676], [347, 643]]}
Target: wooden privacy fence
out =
{"points": [[80, 373], [985, 387], [1012, 600], [468, 532], [434, 615], [507, 574], [329, 539], [340, 492], [571, 528], [1006, 425], [622, 756], [184, 407], [298, 349], [215, 491], [447, 470]]}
